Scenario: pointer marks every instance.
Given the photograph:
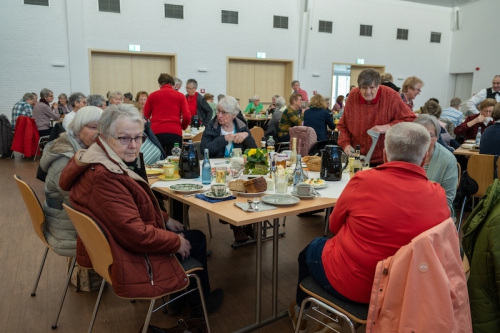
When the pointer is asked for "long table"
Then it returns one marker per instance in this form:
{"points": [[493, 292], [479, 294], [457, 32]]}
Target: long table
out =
{"points": [[465, 152], [227, 211]]}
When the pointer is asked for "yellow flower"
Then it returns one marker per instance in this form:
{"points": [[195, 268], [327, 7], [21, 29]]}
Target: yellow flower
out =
{"points": [[252, 151]]}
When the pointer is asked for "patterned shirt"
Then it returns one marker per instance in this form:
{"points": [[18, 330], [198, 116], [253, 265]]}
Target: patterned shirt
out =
{"points": [[407, 101], [21, 108], [289, 118]]}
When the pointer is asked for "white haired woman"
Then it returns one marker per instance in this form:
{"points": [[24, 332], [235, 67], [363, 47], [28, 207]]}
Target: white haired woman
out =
{"points": [[107, 184], [440, 164], [254, 106]]}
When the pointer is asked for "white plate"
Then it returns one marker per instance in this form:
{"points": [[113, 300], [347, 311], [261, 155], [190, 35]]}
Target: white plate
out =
{"points": [[467, 145], [280, 199], [250, 195], [186, 188], [211, 196]]}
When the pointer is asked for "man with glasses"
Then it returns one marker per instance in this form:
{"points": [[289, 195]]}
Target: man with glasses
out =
{"points": [[410, 90], [371, 106], [77, 101], [198, 106], [43, 113]]}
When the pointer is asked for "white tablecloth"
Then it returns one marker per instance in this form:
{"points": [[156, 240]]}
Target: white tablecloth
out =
{"points": [[332, 189]]}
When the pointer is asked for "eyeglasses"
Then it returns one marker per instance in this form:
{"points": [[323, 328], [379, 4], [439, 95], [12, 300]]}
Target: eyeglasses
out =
{"points": [[190, 88], [126, 140], [93, 128], [417, 89], [222, 112]]}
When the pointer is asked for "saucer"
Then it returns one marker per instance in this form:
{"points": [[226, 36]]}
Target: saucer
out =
{"points": [[212, 196], [306, 197]]}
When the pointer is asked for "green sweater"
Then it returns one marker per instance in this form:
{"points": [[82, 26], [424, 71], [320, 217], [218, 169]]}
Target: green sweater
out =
{"points": [[252, 108], [289, 118]]}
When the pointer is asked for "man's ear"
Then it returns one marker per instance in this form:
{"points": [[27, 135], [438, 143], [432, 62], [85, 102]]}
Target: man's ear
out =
{"points": [[425, 158], [384, 156]]}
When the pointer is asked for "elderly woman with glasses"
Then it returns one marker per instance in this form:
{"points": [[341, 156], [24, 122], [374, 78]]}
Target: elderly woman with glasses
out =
{"points": [[410, 90], [82, 131], [226, 131], [440, 164], [106, 183], [255, 106], [473, 123]]}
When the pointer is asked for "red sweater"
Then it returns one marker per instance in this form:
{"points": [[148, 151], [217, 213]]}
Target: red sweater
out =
{"points": [[164, 108], [379, 211], [470, 132], [359, 117]]}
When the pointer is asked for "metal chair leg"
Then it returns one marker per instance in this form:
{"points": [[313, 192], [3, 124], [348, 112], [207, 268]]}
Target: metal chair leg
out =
{"points": [[202, 298], [73, 262], [148, 316], [209, 225], [33, 293], [94, 314], [461, 214]]}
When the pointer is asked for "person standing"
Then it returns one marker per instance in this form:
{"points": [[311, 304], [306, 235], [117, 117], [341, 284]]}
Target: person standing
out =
{"points": [[297, 90], [492, 92], [168, 112], [23, 108], [410, 90], [43, 113], [198, 106], [371, 106]]}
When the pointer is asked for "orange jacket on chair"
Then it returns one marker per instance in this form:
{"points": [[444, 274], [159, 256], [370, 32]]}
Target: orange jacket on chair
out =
{"points": [[25, 136], [422, 288]]}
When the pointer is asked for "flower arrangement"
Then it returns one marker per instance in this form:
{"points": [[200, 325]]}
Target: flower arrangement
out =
{"points": [[256, 162]]}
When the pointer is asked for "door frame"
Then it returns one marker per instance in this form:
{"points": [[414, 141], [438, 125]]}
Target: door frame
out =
{"points": [[289, 67], [350, 64], [171, 56]]}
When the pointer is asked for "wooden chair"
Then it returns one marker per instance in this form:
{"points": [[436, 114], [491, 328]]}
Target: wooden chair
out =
{"points": [[481, 169], [38, 219], [257, 134], [100, 254], [354, 315], [306, 138], [197, 137]]}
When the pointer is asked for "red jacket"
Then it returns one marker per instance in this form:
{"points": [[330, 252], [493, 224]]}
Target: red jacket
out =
{"points": [[164, 108], [422, 288], [358, 117], [26, 136], [122, 203], [379, 211]]}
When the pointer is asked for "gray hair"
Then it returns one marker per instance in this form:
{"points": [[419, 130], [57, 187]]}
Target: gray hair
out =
{"points": [[295, 81], [63, 95], [407, 142], [177, 80], [455, 101], [276, 96], [45, 93], [110, 116], [28, 96], [84, 116], [429, 120], [129, 96], [368, 77], [280, 102], [230, 105], [96, 100], [386, 77], [256, 97], [113, 94], [220, 97], [75, 97], [193, 82]]}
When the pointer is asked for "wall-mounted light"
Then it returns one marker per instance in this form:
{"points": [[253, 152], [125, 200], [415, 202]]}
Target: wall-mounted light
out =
{"points": [[58, 64], [203, 70], [315, 75]]}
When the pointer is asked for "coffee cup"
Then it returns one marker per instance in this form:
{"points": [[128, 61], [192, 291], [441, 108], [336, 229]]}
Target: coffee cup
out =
{"points": [[488, 119], [218, 189], [305, 190]]}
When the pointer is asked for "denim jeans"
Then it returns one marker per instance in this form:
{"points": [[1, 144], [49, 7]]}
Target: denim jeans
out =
{"points": [[310, 263]]}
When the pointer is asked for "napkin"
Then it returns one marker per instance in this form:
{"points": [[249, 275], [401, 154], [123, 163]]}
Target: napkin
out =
{"points": [[262, 207], [207, 199]]}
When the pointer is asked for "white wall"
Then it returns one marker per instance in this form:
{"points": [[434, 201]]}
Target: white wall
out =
{"points": [[476, 43], [33, 43]]}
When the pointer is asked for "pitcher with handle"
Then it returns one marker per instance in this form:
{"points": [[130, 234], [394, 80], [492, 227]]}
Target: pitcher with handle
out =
{"points": [[331, 163]]}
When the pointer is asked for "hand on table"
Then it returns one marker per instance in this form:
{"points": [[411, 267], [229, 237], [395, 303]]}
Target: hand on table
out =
{"points": [[185, 247]]}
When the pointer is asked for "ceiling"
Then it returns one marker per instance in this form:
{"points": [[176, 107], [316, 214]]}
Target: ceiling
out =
{"points": [[443, 3]]}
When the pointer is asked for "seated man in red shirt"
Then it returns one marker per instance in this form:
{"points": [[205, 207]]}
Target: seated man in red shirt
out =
{"points": [[379, 211]]}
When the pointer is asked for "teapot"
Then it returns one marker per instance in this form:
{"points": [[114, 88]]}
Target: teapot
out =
{"points": [[331, 163], [189, 165]]}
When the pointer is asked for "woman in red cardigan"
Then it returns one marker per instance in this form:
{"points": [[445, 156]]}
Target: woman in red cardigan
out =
{"points": [[469, 127], [168, 111]]}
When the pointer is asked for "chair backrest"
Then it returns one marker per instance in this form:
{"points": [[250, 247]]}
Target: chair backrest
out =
{"points": [[197, 137], [481, 169], [34, 207], [95, 242], [257, 134], [306, 138]]}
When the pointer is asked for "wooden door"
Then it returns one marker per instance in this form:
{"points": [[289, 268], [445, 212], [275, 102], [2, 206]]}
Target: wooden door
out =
{"points": [[146, 70], [111, 72], [241, 81], [269, 80], [355, 70]]}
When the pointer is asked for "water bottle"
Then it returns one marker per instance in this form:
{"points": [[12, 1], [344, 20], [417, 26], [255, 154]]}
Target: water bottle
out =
{"points": [[478, 137], [206, 170], [176, 151], [298, 173]]}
